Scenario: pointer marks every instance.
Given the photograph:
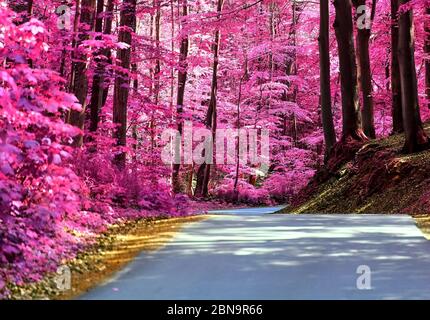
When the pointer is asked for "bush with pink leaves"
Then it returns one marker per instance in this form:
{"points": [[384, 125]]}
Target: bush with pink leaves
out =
{"points": [[38, 188], [244, 193]]}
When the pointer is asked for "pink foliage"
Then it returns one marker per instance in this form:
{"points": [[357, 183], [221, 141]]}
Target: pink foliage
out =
{"points": [[38, 188], [56, 198], [244, 193]]}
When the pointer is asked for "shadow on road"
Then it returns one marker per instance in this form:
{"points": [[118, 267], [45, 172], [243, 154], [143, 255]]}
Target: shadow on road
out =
{"points": [[281, 257]]}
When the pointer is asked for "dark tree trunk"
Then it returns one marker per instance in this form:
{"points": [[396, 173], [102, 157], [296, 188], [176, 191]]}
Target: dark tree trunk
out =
{"points": [[203, 174], [364, 70], [415, 136], [107, 52], [182, 79], [122, 79], [239, 101], [351, 120], [326, 112], [79, 78], [157, 70], [97, 90], [135, 133], [427, 51], [396, 93]]}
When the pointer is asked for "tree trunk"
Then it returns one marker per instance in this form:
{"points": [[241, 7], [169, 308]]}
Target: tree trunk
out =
{"points": [[107, 52], [157, 70], [239, 101], [135, 133], [427, 51], [189, 190], [97, 90], [351, 120], [203, 174], [182, 79], [365, 78], [396, 93], [122, 79], [79, 79], [293, 70], [326, 112], [415, 136], [172, 45]]}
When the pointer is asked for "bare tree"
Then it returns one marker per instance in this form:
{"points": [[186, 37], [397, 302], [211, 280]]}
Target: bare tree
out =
{"points": [[396, 92], [326, 112], [122, 79], [182, 80], [364, 70], [415, 137], [97, 90], [427, 51], [79, 80], [203, 174], [351, 119]]}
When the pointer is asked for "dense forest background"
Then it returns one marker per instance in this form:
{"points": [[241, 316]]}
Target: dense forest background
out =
{"points": [[89, 88]]}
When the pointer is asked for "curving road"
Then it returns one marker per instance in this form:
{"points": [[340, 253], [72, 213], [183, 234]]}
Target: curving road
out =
{"points": [[247, 254]]}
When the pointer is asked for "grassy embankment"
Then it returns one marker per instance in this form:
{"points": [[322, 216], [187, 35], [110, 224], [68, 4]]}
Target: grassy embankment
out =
{"points": [[371, 178]]}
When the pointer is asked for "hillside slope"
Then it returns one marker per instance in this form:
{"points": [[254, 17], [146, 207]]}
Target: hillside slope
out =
{"points": [[374, 177]]}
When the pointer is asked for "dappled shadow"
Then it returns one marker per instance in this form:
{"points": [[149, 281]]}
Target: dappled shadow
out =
{"points": [[281, 257]]}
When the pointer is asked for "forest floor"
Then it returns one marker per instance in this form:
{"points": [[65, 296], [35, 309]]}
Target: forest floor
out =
{"points": [[375, 178], [113, 250]]}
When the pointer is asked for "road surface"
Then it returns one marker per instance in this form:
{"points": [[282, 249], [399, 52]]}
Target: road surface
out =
{"points": [[248, 254]]}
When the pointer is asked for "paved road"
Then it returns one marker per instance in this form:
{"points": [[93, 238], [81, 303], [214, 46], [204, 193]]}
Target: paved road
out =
{"points": [[248, 254]]}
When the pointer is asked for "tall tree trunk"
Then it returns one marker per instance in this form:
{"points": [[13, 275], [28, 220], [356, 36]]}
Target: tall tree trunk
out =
{"points": [[122, 79], [427, 51], [79, 79], [182, 79], [107, 52], [135, 133], [157, 70], [75, 33], [97, 90], [351, 120], [326, 112], [293, 69], [203, 174], [239, 101], [365, 78], [189, 190], [396, 93], [172, 47], [415, 136]]}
